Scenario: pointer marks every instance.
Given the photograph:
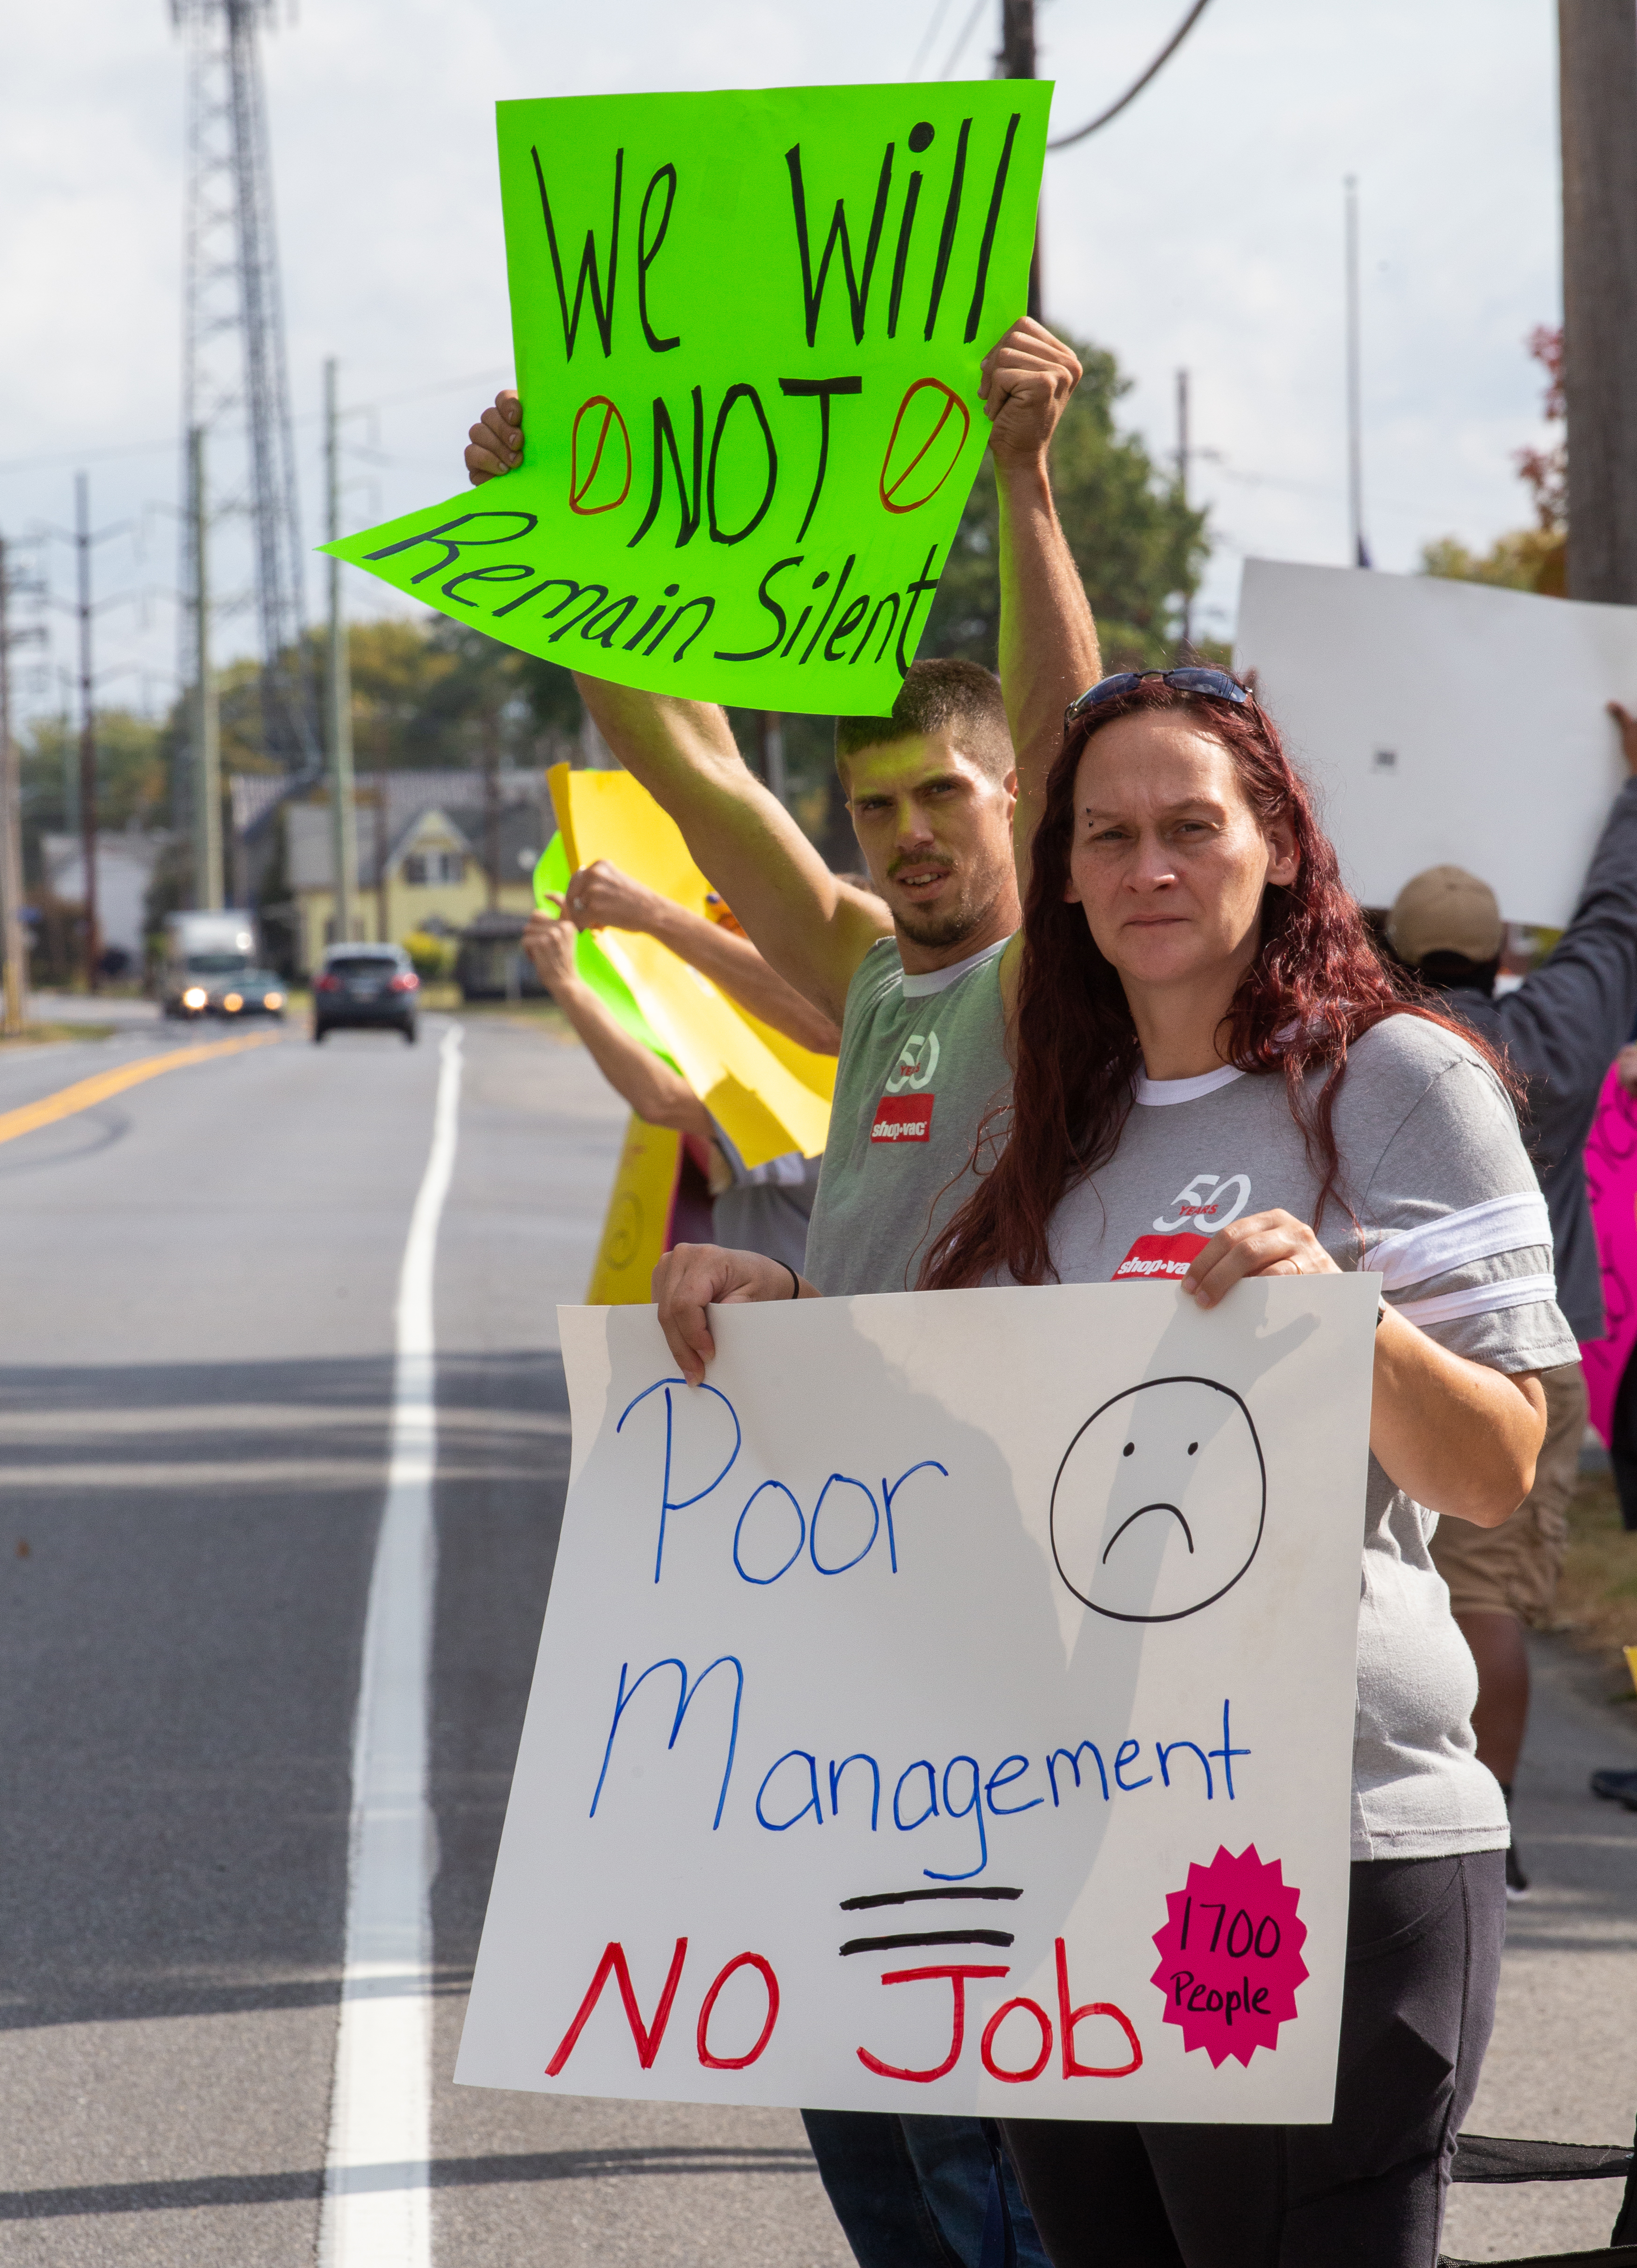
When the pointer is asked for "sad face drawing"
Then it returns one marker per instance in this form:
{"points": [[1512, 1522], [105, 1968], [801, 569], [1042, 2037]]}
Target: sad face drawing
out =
{"points": [[1159, 1503]]}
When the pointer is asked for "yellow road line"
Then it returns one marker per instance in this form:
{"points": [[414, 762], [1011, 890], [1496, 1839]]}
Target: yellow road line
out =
{"points": [[87, 1092]]}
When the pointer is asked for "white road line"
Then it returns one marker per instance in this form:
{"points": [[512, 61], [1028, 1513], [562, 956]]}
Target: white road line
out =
{"points": [[377, 2209]]}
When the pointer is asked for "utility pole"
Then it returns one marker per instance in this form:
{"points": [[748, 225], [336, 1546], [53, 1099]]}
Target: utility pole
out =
{"points": [[489, 724], [83, 805], [338, 687], [207, 724], [1355, 454], [1597, 92], [14, 946], [88, 728], [1183, 455], [773, 754], [383, 886], [1017, 61]]}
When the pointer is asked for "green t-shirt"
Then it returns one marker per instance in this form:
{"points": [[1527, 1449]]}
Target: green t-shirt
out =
{"points": [[922, 1059]]}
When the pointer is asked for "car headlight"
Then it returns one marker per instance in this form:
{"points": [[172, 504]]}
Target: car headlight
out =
{"points": [[272, 1000], [234, 1002], [194, 997]]}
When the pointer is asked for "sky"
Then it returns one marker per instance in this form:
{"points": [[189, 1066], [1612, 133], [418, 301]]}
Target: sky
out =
{"points": [[1202, 230]]}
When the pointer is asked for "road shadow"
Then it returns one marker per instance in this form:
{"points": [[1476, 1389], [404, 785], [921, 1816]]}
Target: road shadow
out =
{"points": [[185, 1558]]}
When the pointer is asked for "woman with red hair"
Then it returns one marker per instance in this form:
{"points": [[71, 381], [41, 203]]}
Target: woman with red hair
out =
{"points": [[1217, 1078]]}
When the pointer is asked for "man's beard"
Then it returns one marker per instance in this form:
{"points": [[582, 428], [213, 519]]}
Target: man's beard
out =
{"points": [[947, 924]]}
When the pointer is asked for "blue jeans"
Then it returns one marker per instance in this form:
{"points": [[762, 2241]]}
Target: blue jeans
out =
{"points": [[915, 2192]]}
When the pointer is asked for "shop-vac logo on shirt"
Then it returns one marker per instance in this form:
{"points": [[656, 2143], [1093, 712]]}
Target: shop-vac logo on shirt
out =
{"points": [[907, 1116], [1206, 1204]]}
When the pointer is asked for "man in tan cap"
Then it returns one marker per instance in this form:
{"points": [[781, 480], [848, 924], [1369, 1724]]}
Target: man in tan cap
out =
{"points": [[1447, 913], [1562, 1028]]}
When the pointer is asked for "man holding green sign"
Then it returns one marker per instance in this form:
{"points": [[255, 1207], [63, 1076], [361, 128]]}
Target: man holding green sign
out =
{"points": [[758, 334], [933, 789]]}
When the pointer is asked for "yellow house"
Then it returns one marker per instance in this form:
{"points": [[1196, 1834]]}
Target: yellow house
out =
{"points": [[435, 850]]}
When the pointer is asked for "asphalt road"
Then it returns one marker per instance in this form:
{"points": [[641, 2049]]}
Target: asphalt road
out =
{"points": [[196, 1377], [1562, 2062]]}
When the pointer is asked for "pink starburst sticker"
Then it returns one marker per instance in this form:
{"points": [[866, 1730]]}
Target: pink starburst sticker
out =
{"points": [[1230, 1956]]}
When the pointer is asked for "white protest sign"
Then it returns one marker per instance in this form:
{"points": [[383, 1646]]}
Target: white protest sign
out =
{"points": [[1445, 723], [949, 1708]]}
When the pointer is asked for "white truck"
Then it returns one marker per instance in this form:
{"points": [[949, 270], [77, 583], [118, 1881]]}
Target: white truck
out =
{"points": [[200, 950]]}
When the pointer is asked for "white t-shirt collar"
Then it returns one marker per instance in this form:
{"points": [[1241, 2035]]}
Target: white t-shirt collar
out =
{"points": [[940, 980], [1155, 1091]]}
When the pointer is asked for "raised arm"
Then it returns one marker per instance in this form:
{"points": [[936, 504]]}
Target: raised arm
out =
{"points": [[598, 897], [1048, 639], [1565, 1023], [653, 1089], [811, 928]]}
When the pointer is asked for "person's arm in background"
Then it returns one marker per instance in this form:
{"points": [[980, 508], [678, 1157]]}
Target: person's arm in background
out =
{"points": [[598, 897], [657, 1093], [813, 929], [1565, 1023], [1048, 640]]}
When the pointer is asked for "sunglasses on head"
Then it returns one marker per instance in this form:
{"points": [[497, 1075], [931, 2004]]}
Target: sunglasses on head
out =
{"points": [[1216, 682]]}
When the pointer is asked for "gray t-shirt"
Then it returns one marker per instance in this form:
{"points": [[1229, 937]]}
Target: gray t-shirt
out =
{"points": [[922, 1059], [1452, 1217], [768, 1208]]}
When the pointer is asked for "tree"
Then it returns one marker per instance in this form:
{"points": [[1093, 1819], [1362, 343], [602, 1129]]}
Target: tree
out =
{"points": [[1529, 558], [133, 777], [441, 694], [1137, 544]]}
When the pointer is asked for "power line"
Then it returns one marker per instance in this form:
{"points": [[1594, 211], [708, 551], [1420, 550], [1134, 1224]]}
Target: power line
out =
{"points": [[938, 12], [303, 417], [1065, 141], [967, 30]]}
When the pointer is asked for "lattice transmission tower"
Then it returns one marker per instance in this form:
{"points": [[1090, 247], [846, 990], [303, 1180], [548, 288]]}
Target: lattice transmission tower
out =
{"points": [[235, 387]]}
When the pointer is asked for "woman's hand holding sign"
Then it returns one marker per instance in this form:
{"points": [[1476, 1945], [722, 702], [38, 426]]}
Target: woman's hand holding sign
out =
{"points": [[692, 1278], [1273, 1243]]}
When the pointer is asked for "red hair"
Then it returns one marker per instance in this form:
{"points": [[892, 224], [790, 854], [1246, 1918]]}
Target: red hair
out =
{"points": [[1316, 984]]}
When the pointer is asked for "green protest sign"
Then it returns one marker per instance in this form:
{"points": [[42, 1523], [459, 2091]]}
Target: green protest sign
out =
{"points": [[748, 330]]}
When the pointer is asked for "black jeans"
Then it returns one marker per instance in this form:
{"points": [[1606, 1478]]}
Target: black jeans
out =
{"points": [[1424, 1940]]}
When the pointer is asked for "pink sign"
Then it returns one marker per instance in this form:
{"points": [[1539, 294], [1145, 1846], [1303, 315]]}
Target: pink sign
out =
{"points": [[1612, 1185], [1230, 1956]]}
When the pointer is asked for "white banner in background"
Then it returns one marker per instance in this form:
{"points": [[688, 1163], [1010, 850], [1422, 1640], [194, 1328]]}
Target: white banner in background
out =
{"points": [[1446, 724], [949, 1708]]}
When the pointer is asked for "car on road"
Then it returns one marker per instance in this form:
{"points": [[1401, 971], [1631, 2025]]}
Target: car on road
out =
{"points": [[239, 993], [202, 951], [372, 985]]}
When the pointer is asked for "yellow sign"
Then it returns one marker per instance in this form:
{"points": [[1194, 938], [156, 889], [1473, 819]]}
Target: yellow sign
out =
{"points": [[638, 1214]]}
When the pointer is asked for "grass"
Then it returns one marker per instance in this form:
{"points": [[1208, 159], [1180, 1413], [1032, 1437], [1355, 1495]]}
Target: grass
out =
{"points": [[33, 1036], [1596, 1601], [543, 1016]]}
